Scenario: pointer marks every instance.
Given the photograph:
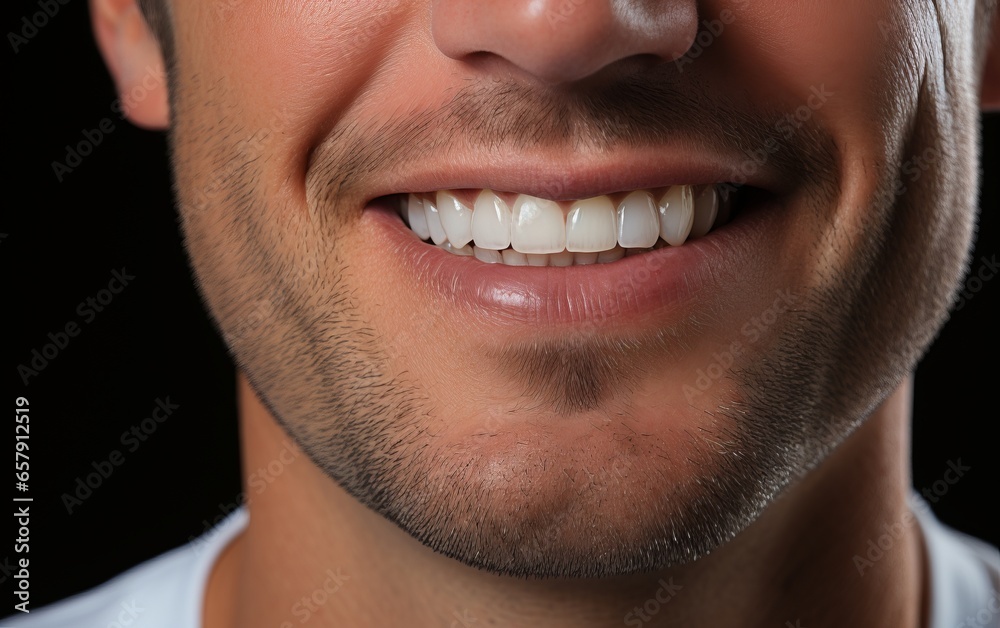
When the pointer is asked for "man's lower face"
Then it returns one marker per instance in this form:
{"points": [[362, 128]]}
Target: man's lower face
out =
{"points": [[582, 329]]}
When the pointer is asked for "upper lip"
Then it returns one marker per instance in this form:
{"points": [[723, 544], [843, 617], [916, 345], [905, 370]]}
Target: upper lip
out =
{"points": [[575, 175]]}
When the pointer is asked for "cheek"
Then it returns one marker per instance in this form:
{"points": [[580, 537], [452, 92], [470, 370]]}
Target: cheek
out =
{"points": [[828, 40], [851, 63], [284, 73], [855, 67]]}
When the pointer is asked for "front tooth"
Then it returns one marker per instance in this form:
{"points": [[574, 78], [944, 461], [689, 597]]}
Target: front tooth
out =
{"points": [[537, 260], [434, 222], [676, 214], [590, 225], [580, 259], [537, 226], [638, 225], [563, 258], [456, 219], [514, 258], [487, 255], [609, 256], [491, 222], [706, 206], [416, 216], [457, 250]]}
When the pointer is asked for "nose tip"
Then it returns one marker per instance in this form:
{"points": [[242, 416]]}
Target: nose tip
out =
{"points": [[561, 41]]}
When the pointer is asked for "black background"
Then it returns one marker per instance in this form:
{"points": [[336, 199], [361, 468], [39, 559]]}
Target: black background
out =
{"points": [[63, 240]]}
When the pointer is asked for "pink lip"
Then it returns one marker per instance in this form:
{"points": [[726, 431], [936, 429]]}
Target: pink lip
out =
{"points": [[656, 286]]}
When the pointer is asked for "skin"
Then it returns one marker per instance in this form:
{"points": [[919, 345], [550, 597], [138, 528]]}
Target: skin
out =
{"points": [[442, 463]]}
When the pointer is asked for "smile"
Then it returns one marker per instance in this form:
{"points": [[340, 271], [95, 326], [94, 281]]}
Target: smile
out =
{"points": [[524, 230], [639, 257]]}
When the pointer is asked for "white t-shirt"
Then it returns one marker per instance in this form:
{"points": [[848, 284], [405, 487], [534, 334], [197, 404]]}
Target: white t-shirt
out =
{"points": [[168, 591], [165, 592]]}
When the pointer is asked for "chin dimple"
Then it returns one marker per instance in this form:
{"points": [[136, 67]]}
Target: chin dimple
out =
{"points": [[533, 231]]}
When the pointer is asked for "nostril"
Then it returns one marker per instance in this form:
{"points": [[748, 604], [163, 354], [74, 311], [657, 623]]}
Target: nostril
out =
{"points": [[563, 41]]}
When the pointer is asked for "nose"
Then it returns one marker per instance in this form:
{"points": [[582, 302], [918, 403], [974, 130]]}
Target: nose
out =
{"points": [[561, 41]]}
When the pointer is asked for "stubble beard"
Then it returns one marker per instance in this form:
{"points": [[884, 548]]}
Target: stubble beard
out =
{"points": [[328, 378]]}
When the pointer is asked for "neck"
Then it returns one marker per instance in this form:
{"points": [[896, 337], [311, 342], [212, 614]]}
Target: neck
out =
{"points": [[312, 553]]}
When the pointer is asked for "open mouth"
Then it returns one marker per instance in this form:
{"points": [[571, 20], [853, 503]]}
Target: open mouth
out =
{"points": [[645, 256], [524, 230]]}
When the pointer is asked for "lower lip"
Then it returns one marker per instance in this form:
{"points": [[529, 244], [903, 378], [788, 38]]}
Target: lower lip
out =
{"points": [[657, 285]]}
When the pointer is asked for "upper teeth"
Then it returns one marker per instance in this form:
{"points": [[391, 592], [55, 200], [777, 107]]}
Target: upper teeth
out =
{"points": [[533, 227]]}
